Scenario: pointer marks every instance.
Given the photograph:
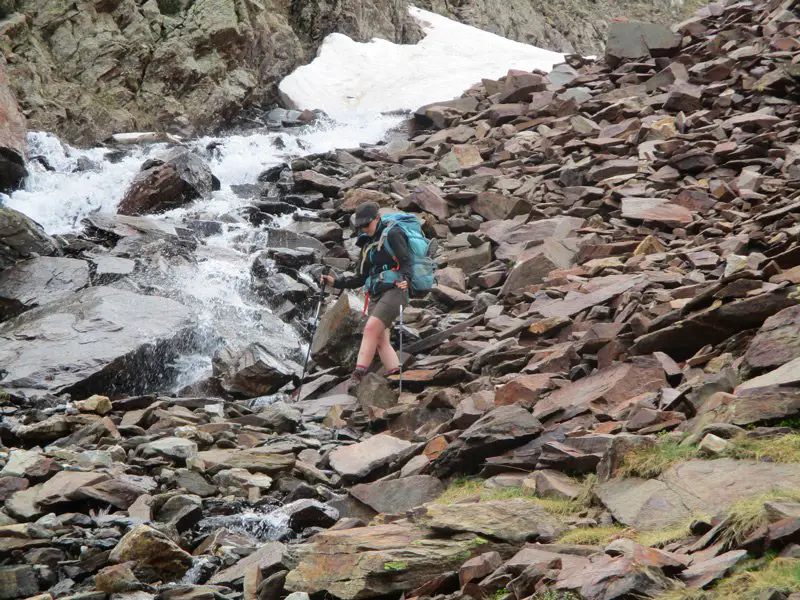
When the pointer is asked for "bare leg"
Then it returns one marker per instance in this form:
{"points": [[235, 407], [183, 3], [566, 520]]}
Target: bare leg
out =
{"points": [[388, 355], [373, 331]]}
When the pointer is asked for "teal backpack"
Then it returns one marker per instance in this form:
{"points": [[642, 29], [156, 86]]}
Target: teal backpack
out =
{"points": [[423, 266]]}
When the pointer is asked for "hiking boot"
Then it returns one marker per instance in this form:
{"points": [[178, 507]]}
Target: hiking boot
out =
{"points": [[355, 380]]}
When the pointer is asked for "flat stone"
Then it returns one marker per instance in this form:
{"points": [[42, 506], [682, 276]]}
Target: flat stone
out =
{"points": [[656, 210], [777, 342], [515, 521], [607, 390], [39, 281], [360, 460], [396, 496], [376, 561], [690, 488]]}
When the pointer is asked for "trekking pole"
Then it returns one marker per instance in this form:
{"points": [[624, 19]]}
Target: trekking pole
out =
{"points": [[400, 387], [313, 333]]}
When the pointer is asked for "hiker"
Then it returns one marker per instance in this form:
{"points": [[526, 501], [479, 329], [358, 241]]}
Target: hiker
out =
{"points": [[385, 269]]}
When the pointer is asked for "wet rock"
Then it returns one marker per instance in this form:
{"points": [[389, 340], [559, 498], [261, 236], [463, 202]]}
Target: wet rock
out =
{"points": [[268, 558], [22, 238], [396, 496], [253, 372], [166, 184], [309, 513], [110, 332], [13, 142], [38, 281]]}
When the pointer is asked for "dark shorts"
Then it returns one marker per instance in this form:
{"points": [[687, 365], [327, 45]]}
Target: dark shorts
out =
{"points": [[387, 306]]}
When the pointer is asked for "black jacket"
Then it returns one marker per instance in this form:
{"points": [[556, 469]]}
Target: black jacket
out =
{"points": [[380, 260]]}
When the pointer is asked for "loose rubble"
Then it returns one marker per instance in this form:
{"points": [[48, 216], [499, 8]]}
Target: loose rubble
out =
{"points": [[599, 398]]}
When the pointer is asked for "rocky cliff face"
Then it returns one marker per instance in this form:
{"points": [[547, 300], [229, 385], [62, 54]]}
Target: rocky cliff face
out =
{"points": [[87, 69], [562, 25]]}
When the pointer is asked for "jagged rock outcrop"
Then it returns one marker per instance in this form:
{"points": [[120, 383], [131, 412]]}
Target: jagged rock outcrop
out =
{"points": [[89, 69], [565, 25], [12, 135]]}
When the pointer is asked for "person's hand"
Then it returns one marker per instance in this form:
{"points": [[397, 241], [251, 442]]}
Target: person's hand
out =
{"points": [[403, 284], [327, 279]]}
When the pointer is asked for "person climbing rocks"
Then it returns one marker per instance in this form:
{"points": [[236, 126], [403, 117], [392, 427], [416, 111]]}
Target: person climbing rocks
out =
{"points": [[385, 270]]}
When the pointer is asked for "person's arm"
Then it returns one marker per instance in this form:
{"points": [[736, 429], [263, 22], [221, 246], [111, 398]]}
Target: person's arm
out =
{"points": [[349, 283], [399, 244]]}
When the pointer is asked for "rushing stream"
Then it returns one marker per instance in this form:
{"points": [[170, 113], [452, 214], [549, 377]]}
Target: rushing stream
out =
{"points": [[216, 285]]}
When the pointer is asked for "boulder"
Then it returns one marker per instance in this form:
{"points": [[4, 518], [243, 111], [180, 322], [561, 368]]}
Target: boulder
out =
{"points": [[776, 343], [252, 372], [153, 551], [634, 39], [469, 260], [338, 334], [162, 185], [533, 266], [268, 558], [501, 429], [493, 206], [514, 521], [607, 390], [376, 561], [39, 281], [13, 143], [21, 237], [91, 341]]}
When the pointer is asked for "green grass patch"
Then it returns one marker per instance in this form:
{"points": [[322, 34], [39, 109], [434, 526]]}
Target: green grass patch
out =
{"points": [[554, 595], [661, 537], [748, 515], [649, 462], [783, 449], [749, 581], [395, 566], [464, 488], [592, 536]]}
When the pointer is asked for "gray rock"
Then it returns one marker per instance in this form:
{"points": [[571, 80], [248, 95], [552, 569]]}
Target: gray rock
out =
{"points": [[338, 335], [694, 487], [92, 341], [252, 372], [359, 460], [21, 237], [18, 581], [39, 281], [174, 448], [309, 513], [396, 496], [281, 417]]}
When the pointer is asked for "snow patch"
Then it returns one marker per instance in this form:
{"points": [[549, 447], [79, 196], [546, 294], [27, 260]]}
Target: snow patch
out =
{"points": [[365, 79]]}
